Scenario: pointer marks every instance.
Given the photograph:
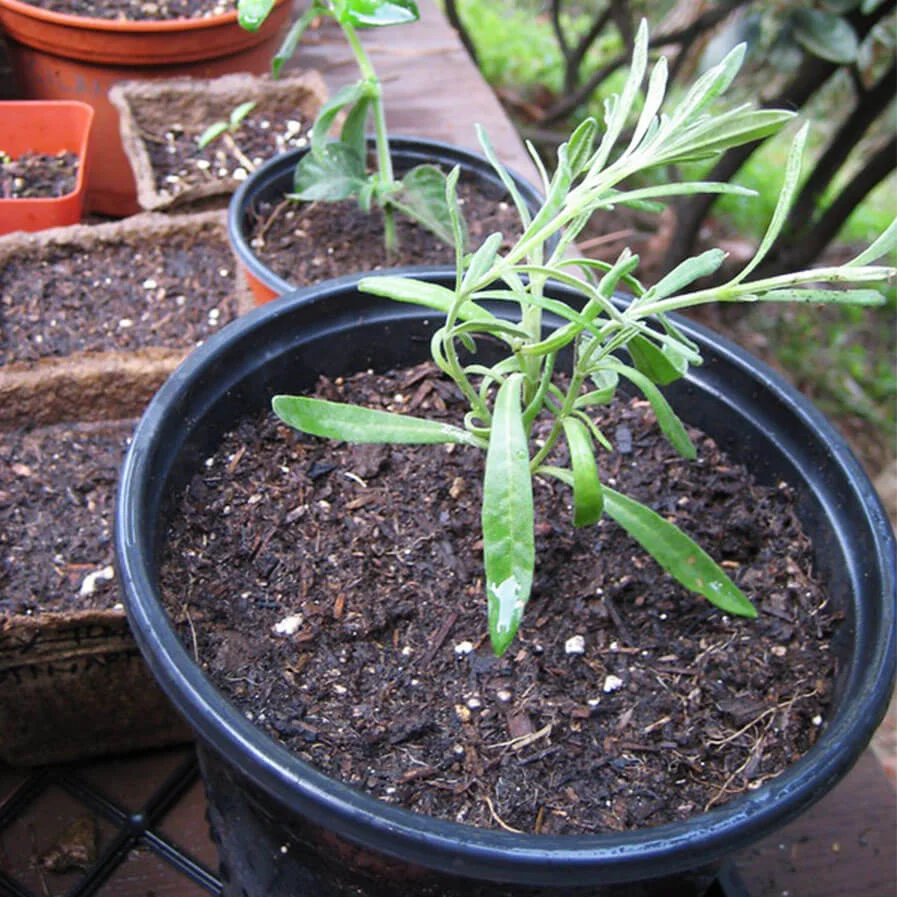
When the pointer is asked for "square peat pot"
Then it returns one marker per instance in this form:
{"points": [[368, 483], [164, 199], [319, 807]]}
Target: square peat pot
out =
{"points": [[47, 127]]}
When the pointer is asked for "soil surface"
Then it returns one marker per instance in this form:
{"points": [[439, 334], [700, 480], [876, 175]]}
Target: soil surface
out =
{"points": [[138, 10], [308, 242], [38, 175], [273, 127], [116, 295], [350, 624], [57, 493]]}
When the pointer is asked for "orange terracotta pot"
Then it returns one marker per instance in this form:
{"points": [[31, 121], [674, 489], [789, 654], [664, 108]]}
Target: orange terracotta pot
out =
{"points": [[57, 56], [45, 127]]}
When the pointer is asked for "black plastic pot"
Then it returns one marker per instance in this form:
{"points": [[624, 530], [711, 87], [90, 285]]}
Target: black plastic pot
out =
{"points": [[272, 180], [285, 829]]}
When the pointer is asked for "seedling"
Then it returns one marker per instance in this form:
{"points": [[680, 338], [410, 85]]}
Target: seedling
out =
{"points": [[508, 397], [336, 169], [226, 130]]}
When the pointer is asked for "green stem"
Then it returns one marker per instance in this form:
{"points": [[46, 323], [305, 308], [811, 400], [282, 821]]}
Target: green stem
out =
{"points": [[381, 135]]}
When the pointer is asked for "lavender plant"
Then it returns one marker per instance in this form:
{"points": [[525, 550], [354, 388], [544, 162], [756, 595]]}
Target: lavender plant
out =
{"points": [[507, 398], [336, 169]]}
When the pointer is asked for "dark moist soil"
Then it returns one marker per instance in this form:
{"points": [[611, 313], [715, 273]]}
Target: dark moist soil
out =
{"points": [[305, 243], [138, 10], [179, 165], [174, 292], [38, 175], [350, 625], [57, 492]]}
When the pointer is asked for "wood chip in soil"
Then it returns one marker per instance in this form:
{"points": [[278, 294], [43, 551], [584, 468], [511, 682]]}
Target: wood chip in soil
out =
{"points": [[38, 175], [173, 291], [337, 598], [57, 495], [139, 11], [305, 243], [180, 165]]}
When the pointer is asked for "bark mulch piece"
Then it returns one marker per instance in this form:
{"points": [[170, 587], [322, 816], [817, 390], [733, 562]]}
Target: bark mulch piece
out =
{"points": [[161, 120], [72, 682], [38, 175], [335, 595], [94, 318], [142, 11], [305, 243]]}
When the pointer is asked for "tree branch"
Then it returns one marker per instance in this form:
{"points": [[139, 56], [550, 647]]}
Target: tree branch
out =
{"points": [[451, 13]]}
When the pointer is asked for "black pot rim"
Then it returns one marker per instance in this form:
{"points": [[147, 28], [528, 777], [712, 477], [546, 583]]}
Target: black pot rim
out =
{"points": [[454, 847], [278, 166]]}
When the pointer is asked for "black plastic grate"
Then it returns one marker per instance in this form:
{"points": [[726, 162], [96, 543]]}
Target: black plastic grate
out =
{"points": [[132, 830], [142, 830]]}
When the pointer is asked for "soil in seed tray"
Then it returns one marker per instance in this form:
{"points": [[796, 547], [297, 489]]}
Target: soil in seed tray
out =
{"points": [[57, 493], [172, 291], [305, 243], [179, 165], [38, 175], [337, 598], [138, 10]]}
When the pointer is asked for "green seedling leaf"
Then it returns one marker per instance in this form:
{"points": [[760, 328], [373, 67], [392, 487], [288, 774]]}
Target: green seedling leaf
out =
{"points": [[588, 501], [508, 532], [677, 553], [375, 13], [353, 132], [883, 245], [825, 34], [419, 292], [347, 96], [251, 14], [481, 262], [686, 273], [335, 173], [349, 423], [667, 420], [422, 197], [823, 296], [581, 145], [505, 176], [654, 362], [239, 114], [606, 383], [293, 36], [212, 132]]}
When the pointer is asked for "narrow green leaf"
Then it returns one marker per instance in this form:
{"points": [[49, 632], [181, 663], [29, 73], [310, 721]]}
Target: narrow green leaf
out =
{"points": [[353, 130], [349, 423], [240, 113], [821, 295], [251, 14], [481, 262], [597, 435], [419, 292], [422, 198], [581, 145], [588, 502], [333, 174], [293, 36], [346, 96], [783, 205], [376, 13], [212, 132], [606, 383], [507, 516], [654, 96], [685, 273], [677, 553], [653, 362], [883, 245], [504, 175], [667, 420]]}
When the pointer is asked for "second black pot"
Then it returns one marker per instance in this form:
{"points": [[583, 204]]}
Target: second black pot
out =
{"points": [[274, 179]]}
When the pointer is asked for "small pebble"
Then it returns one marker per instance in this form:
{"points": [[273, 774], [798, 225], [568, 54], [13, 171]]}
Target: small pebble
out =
{"points": [[463, 648], [612, 683], [575, 645], [288, 625]]}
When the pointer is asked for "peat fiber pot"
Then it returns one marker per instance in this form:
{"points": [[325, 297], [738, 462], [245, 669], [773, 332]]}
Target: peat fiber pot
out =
{"points": [[284, 829], [274, 179], [48, 127], [65, 57]]}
